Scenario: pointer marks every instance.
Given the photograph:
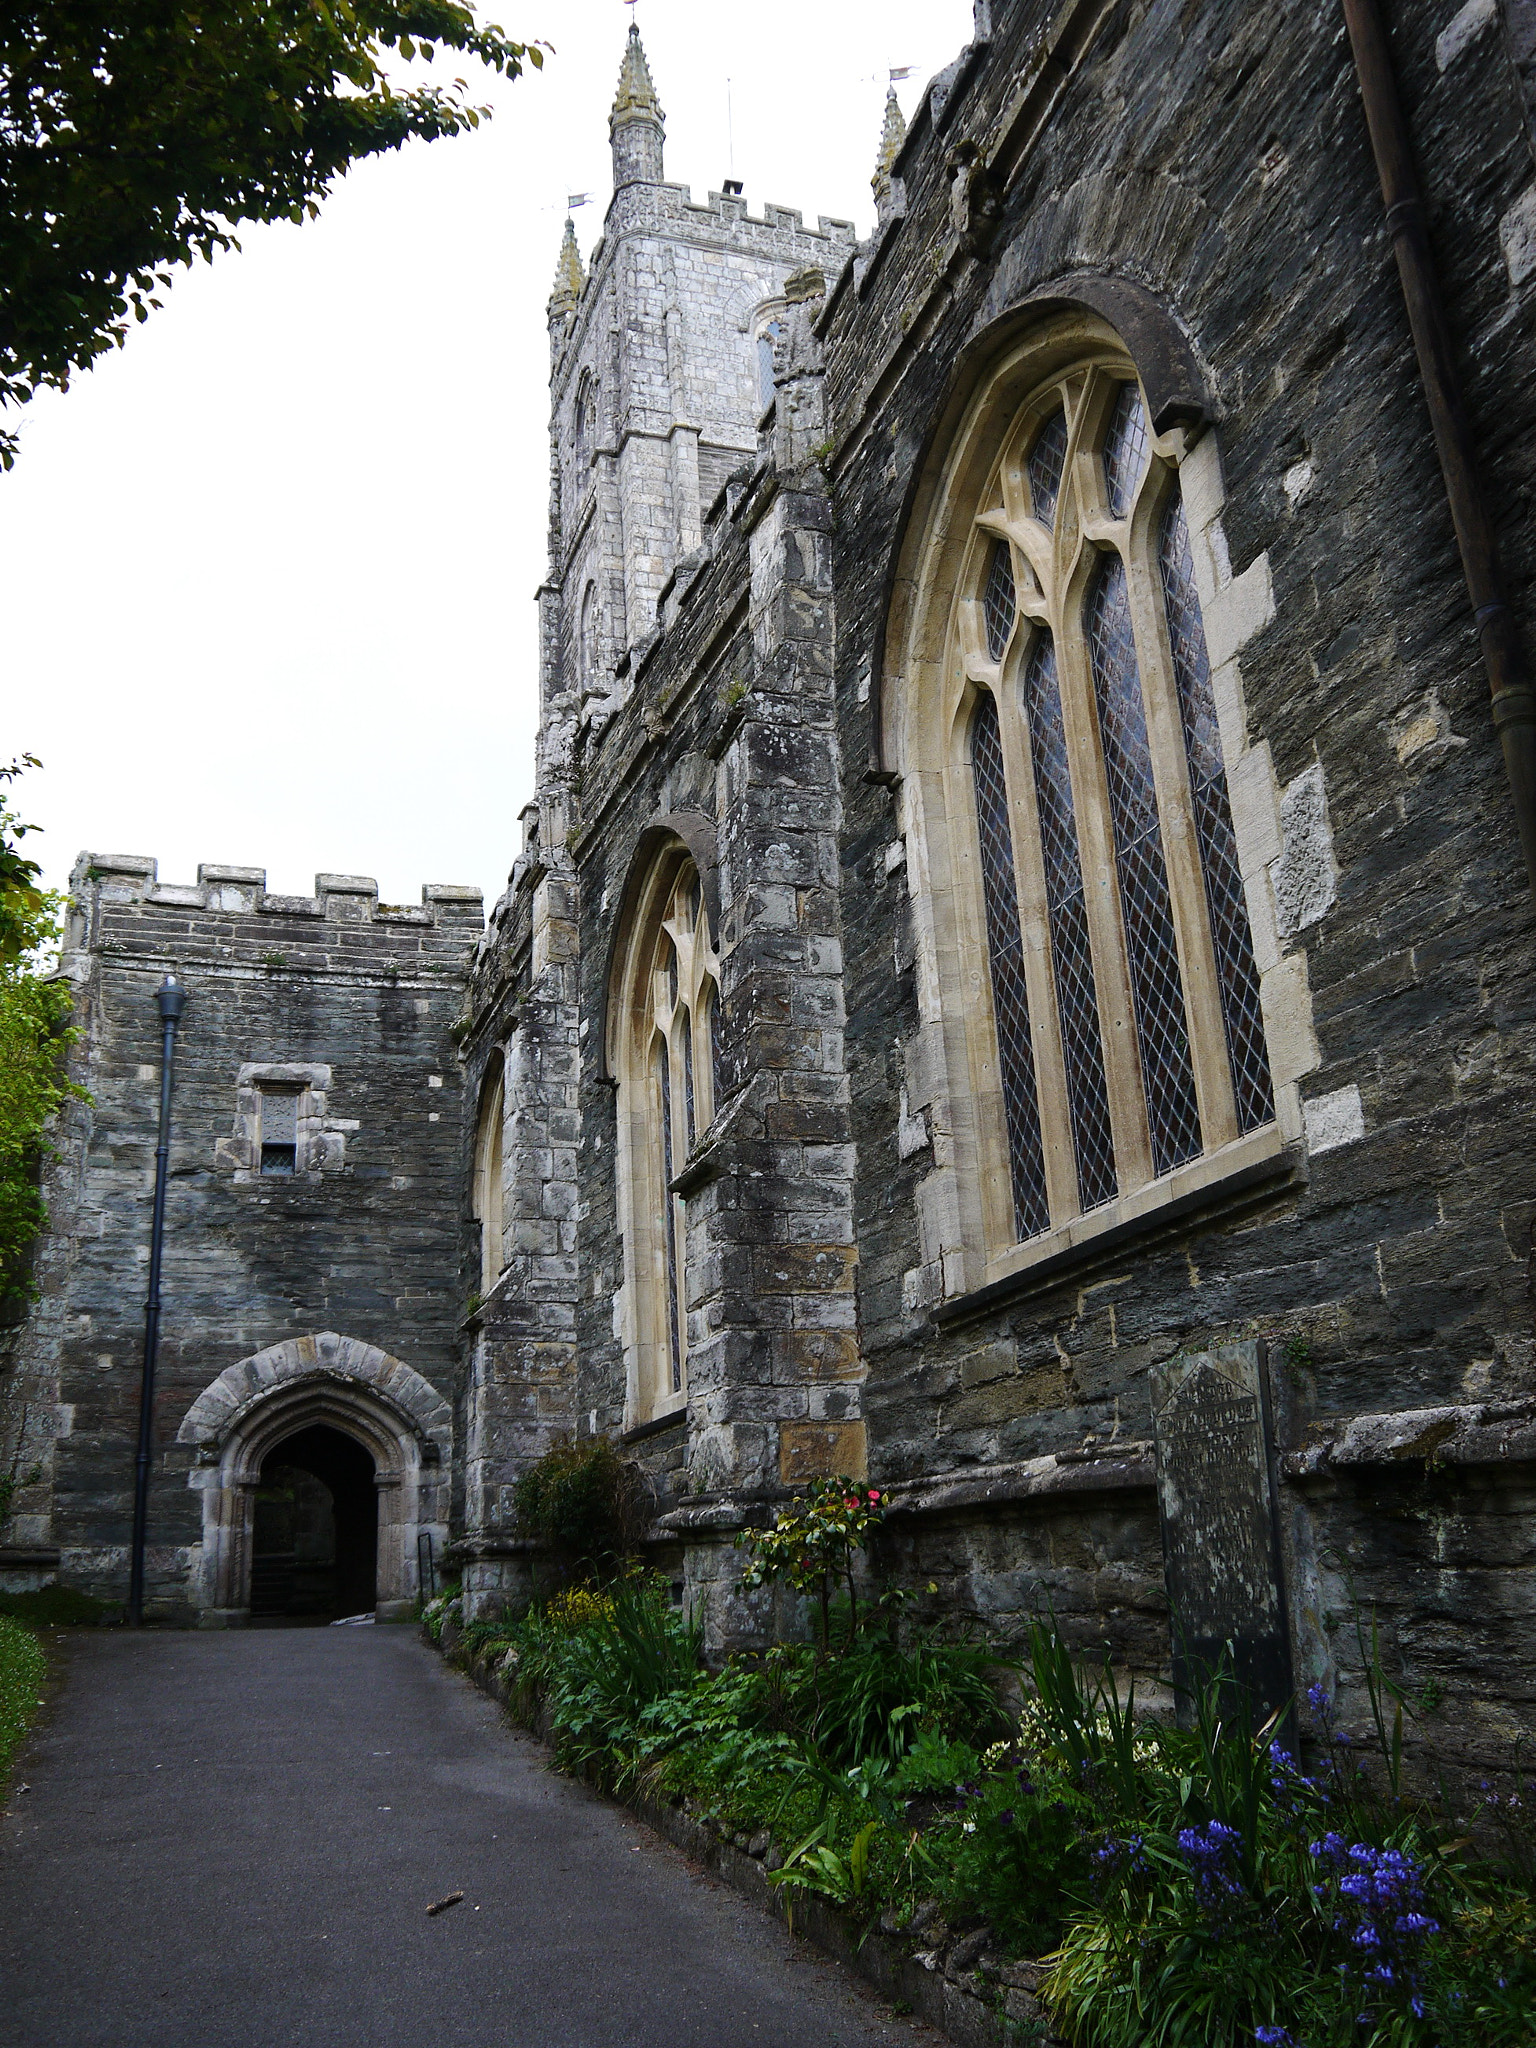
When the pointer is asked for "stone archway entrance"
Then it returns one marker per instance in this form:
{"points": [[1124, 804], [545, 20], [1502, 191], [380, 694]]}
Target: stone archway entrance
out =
{"points": [[315, 1546], [303, 1393]]}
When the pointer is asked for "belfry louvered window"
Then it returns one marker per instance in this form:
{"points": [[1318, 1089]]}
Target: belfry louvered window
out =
{"points": [[1124, 1038], [665, 1060]]}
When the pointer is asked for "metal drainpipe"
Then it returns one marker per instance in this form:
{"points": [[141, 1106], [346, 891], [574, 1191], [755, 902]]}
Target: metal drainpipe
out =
{"points": [[171, 997], [1514, 707]]}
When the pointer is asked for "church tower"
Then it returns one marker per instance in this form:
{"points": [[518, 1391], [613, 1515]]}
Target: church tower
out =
{"points": [[661, 372]]}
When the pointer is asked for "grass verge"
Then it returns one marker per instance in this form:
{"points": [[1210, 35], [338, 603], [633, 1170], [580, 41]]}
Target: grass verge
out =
{"points": [[23, 1669]]}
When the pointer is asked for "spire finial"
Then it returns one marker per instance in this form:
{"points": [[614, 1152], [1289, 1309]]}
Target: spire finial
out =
{"points": [[636, 93], [893, 133], [636, 125], [570, 276]]}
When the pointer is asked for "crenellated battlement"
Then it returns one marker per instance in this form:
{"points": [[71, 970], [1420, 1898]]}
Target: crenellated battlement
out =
{"points": [[130, 878]]}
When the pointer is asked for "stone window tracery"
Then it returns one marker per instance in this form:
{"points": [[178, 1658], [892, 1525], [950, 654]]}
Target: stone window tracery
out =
{"points": [[664, 1064], [1099, 967]]}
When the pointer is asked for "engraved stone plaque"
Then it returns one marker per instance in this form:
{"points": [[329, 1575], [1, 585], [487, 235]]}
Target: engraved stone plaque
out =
{"points": [[1216, 1498]]}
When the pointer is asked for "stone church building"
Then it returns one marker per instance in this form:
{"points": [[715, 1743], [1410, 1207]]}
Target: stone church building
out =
{"points": [[1018, 976]]}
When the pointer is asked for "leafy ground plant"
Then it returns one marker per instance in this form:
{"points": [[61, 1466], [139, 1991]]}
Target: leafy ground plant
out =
{"points": [[1195, 1887], [23, 1669]]}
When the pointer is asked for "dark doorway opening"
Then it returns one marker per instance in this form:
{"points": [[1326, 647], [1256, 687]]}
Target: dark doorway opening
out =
{"points": [[317, 1529]]}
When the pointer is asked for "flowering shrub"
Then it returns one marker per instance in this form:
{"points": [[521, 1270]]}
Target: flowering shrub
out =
{"points": [[812, 1545], [1378, 1896], [578, 1607], [1196, 1888]]}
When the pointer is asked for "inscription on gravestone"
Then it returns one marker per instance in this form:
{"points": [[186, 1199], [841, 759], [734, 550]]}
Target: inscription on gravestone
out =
{"points": [[1216, 1499]]}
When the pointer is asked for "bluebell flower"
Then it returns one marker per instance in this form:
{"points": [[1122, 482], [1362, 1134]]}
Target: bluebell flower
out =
{"points": [[1210, 1853]]}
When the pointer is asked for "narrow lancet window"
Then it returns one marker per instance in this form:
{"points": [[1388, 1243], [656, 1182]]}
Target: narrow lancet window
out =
{"points": [[1072, 958], [1162, 1028], [1010, 1003], [662, 1054], [669, 1206], [1231, 937]]}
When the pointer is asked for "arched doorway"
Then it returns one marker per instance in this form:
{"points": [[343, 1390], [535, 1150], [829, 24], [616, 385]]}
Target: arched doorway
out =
{"points": [[300, 1422], [314, 1542]]}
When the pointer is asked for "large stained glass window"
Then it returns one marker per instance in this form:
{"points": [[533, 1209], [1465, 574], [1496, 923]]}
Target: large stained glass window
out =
{"points": [[1103, 830]]}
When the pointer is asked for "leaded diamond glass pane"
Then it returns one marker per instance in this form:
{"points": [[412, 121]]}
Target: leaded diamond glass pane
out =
{"points": [[1162, 1030], [671, 964], [1125, 449], [1010, 1003], [999, 601], [669, 1208], [1077, 1000], [1046, 460], [1231, 937], [690, 1120]]}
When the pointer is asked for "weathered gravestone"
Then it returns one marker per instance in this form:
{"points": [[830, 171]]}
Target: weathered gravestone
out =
{"points": [[1221, 1545]]}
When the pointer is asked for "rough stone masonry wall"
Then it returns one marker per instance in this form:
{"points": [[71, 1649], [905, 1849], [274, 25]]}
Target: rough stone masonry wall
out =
{"points": [[1218, 158], [367, 1244], [520, 1368]]}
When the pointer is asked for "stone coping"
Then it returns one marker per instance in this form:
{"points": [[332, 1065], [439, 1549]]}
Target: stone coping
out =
{"points": [[1487, 1433], [1110, 1467]]}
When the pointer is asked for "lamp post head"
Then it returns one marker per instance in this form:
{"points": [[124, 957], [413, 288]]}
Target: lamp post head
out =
{"points": [[172, 999]]}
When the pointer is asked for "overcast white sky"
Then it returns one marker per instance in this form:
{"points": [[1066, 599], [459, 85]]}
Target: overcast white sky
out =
{"points": [[266, 574]]}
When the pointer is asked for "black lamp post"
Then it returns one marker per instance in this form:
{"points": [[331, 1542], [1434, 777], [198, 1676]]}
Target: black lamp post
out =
{"points": [[171, 998]]}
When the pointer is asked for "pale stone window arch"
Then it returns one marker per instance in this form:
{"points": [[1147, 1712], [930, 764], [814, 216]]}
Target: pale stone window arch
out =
{"points": [[583, 423], [586, 634], [663, 1027], [490, 1159], [1092, 979], [769, 327]]}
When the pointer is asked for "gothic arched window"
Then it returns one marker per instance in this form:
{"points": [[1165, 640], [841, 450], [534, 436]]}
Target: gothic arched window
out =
{"points": [[586, 648], [663, 1060], [582, 425], [1087, 916], [769, 332], [489, 1160]]}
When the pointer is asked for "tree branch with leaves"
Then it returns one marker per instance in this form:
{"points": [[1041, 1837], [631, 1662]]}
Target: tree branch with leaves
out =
{"points": [[136, 135]]}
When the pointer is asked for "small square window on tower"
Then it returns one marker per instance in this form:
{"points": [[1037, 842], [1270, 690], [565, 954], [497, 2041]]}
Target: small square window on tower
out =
{"points": [[279, 1130]]}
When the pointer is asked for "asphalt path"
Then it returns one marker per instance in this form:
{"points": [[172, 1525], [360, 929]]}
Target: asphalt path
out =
{"points": [[231, 1840]]}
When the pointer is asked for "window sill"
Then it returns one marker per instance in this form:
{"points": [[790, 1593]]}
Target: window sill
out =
{"points": [[672, 1418], [1260, 1160]]}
